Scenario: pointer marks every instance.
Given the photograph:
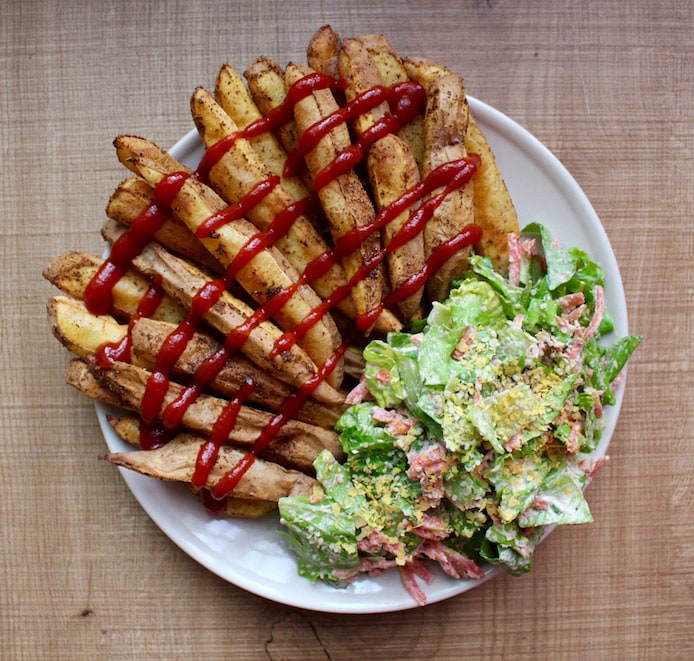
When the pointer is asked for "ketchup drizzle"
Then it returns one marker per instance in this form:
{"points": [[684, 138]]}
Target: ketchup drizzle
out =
{"points": [[110, 352], [404, 100]]}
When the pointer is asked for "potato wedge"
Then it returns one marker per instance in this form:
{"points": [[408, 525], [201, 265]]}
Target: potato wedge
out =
{"points": [[392, 170], [445, 125], [72, 272], [176, 461], [80, 331], [296, 444], [392, 69], [132, 197], [79, 376], [267, 88], [84, 333], [233, 96], [148, 336], [182, 281], [264, 276], [323, 49], [494, 210], [344, 199], [239, 171]]}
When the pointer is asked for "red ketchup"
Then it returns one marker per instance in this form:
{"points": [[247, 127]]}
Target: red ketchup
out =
{"points": [[161, 419]]}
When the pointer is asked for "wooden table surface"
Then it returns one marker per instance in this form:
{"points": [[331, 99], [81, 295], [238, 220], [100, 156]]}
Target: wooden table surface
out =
{"points": [[607, 86]]}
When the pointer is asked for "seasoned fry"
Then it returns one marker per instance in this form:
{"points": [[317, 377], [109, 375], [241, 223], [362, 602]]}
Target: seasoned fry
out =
{"points": [[132, 197], [267, 273], [72, 272], [494, 210], [176, 461], [323, 49], [392, 70], [79, 376], [239, 171], [83, 333], [424, 70], [182, 281], [148, 336], [296, 444], [445, 125], [344, 199], [391, 167], [128, 429], [235, 99], [80, 331], [266, 85]]}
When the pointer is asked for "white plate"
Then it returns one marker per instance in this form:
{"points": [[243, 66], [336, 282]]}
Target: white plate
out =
{"points": [[250, 554]]}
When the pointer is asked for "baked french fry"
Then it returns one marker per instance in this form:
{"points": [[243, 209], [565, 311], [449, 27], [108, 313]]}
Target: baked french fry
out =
{"points": [[392, 69], [445, 125], [267, 273], [233, 96], [72, 272], [176, 461], [392, 170], [132, 197], [80, 331], [323, 49], [148, 336], [79, 376], [239, 171], [296, 444], [494, 210], [235, 505], [182, 281], [84, 333], [267, 88], [344, 199]]}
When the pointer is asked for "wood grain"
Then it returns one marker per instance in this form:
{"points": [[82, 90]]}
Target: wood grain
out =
{"points": [[85, 574]]}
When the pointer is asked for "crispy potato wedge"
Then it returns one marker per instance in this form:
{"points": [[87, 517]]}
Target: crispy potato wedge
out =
{"points": [[392, 170], [72, 272], [132, 197], [239, 171], [267, 88], [344, 199], [392, 69], [79, 376], [494, 210], [182, 281], [445, 125], [296, 444], [148, 336], [323, 49], [176, 460], [80, 331], [83, 333], [267, 273], [235, 99]]}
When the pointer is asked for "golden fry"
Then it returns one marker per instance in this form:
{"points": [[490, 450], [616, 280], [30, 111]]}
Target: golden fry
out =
{"points": [[296, 444], [344, 199], [392, 170], [267, 273], [176, 460]]}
